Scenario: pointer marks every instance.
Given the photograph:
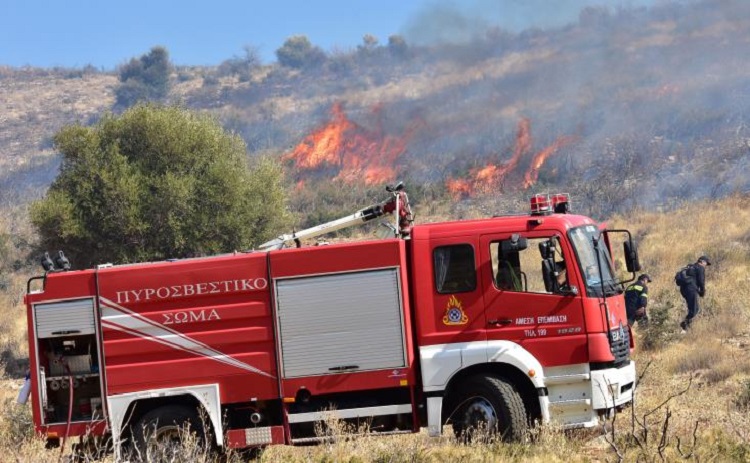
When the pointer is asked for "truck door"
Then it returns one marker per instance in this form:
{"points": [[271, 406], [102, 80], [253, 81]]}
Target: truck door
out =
{"points": [[446, 281], [546, 319]]}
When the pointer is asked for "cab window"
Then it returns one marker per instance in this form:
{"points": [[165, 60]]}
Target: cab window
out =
{"points": [[455, 269], [521, 268]]}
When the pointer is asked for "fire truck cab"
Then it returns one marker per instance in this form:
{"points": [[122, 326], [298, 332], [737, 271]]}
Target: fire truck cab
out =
{"points": [[499, 322]]}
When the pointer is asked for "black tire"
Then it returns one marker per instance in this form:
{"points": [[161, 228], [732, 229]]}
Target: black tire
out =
{"points": [[484, 404], [161, 430]]}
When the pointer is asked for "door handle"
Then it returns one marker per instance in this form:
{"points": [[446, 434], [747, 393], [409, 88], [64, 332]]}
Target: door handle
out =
{"points": [[58, 333], [500, 321], [344, 368]]}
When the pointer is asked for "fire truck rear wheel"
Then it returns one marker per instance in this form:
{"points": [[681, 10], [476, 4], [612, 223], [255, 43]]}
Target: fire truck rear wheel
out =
{"points": [[166, 427], [488, 404]]}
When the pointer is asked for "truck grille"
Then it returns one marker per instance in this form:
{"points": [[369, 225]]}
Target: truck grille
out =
{"points": [[620, 338]]}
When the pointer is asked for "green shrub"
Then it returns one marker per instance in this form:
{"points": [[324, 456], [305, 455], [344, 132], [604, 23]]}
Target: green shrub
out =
{"points": [[660, 330], [297, 52], [145, 79], [155, 183]]}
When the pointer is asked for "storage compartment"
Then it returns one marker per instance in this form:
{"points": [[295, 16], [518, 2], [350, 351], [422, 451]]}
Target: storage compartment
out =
{"points": [[65, 318], [68, 356], [341, 323]]}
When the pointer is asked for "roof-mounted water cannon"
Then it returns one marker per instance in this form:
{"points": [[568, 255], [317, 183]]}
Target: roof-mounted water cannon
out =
{"points": [[546, 204], [59, 264], [47, 263], [397, 204]]}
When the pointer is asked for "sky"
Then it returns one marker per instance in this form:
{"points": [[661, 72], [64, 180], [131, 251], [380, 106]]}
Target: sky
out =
{"points": [[107, 33]]}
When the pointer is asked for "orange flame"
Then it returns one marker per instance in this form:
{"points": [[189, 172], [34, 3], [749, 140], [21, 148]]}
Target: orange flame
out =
{"points": [[523, 143], [458, 187], [532, 174], [490, 178], [360, 155], [320, 147]]}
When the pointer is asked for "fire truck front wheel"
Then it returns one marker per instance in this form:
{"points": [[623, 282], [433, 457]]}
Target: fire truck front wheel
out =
{"points": [[488, 404], [163, 430]]}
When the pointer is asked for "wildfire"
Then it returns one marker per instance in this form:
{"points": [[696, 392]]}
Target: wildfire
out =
{"points": [[458, 187], [320, 147], [531, 175], [490, 178], [523, 143], [487, 178], [351, 154], [359, 154]]}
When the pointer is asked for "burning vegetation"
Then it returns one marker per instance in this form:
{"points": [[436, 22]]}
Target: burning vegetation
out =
{"points": [[492, 177], [354, 153], [351, 154]]}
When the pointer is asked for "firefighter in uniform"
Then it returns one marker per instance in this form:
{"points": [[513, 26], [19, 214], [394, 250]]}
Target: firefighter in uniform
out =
{"points": [[636, 300], [694, 287]]}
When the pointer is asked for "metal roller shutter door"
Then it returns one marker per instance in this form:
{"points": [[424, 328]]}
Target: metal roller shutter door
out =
{"points": [[64, 318], [343, 320]]}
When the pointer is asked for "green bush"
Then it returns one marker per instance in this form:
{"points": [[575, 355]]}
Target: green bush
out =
{"points": [[397, 46], [241, 66], [660, 330], [297, 52], [154, 183], [145, 78]]}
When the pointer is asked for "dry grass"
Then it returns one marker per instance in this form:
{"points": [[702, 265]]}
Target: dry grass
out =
{"points": [[35, 107], [691, 403]]}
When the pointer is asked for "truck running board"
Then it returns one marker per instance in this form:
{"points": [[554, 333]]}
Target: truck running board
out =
{"points": [[316, 440], [347, 413]]}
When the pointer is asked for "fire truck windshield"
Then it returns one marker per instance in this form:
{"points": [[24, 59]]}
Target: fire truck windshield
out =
{"points": [[599, 281]]}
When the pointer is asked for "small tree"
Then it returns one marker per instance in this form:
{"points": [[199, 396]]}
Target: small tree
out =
{"points": [[241, 66], [297, 52], [397, 46], [145, 78], [154, 183], [369, 44]]}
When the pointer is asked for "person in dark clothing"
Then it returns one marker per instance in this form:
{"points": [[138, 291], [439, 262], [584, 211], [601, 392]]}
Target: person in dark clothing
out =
{"points": [[636, 300], [562, 275], [694, 287]]}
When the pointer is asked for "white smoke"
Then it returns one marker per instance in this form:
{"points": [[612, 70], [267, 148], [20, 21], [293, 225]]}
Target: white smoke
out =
{"points": [[446, 21]]}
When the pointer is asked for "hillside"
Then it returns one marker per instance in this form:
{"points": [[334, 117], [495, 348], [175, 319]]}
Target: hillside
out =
{"points": [[641, 114], [35, 105], [693, 395], [625, 108]]}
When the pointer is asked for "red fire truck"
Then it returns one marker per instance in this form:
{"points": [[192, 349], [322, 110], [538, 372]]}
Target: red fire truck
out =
{"points": [[502, 322]]}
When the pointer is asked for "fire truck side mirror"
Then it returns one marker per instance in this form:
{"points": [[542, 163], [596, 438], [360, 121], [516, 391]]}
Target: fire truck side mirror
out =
{"points": [[631, 256], [548, 274], [547, 250]]}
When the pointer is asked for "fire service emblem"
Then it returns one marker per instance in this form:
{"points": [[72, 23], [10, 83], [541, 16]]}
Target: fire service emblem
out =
{"points": [[454, 313]]}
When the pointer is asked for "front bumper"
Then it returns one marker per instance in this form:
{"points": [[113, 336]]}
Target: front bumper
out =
{"points": [[613, 387]]}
